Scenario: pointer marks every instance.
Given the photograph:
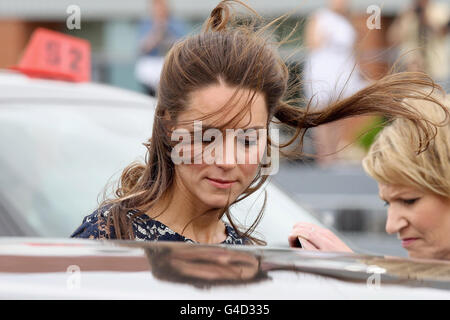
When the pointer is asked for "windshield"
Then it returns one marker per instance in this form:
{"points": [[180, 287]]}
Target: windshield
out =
{"points": [[56, 158]]}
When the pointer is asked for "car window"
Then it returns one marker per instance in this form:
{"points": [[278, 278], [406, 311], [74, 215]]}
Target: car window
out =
{"points": [[56, 159]]}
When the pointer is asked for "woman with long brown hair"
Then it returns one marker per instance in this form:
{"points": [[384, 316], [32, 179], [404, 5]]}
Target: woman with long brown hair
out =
{"points": [[229, 77]]}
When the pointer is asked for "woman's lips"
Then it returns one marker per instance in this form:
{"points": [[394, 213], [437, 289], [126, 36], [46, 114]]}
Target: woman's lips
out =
{"points": [[406, 242], [221, 184]]}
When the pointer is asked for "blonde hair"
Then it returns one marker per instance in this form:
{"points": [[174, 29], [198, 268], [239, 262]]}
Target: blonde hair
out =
{"points": [[396, 156]]}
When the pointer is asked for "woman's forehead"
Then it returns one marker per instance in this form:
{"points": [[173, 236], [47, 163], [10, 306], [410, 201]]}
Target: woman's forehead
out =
{"points": [[221, 104], [392, 191]]}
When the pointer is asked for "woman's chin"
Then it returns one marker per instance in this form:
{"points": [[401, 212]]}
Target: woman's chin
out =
{"points": [[421, 255], [217, 205]]}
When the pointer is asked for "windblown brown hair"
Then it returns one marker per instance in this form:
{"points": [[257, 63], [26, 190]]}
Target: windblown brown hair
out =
{"points": [[244, 55]]}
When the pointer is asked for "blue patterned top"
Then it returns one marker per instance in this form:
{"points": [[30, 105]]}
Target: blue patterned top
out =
{"points": [[144, 228]]}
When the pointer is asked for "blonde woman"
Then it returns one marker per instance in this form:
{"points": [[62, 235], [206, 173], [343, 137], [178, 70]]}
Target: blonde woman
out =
{"points": [[415, 186]]}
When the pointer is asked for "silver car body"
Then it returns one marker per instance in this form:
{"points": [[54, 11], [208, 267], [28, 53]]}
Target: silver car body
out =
{"points": [[93, 269]]}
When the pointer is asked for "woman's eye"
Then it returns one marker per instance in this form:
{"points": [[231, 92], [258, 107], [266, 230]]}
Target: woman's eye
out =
{"points": [[410, 201], [386, 204], [248, 142], [208, 141], [239, 263], [199, 261]]}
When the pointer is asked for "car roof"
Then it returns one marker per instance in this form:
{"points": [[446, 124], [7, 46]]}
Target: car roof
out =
{"points": [[37, 268], [18, 87]]}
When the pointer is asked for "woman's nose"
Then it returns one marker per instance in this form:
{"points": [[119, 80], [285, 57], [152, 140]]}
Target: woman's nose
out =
{"points": [[396, 221], [228, 159]]}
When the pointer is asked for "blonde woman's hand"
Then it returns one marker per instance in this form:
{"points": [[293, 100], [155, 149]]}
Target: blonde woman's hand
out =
{"points": [[315, 238]]}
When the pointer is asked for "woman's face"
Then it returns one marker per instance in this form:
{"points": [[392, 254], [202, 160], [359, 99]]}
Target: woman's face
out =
{"points": [[421, 220], [223, 168]]}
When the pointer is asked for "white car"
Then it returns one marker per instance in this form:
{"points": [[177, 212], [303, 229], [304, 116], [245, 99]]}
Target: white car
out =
{"points": [[60, 144], [93, 269]]}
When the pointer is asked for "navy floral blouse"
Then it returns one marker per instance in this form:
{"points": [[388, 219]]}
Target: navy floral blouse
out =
{"points": [[145, 229]]}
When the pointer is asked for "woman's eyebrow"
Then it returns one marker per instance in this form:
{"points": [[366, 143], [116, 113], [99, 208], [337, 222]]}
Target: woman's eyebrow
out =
{"points": [[204, 128], [254, 128], [398, 195]]}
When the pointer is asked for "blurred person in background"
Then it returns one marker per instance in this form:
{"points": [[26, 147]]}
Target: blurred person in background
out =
{"points": [[331, 71], [415, 186], [157, 37], [421, 37], [230, 76]]}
